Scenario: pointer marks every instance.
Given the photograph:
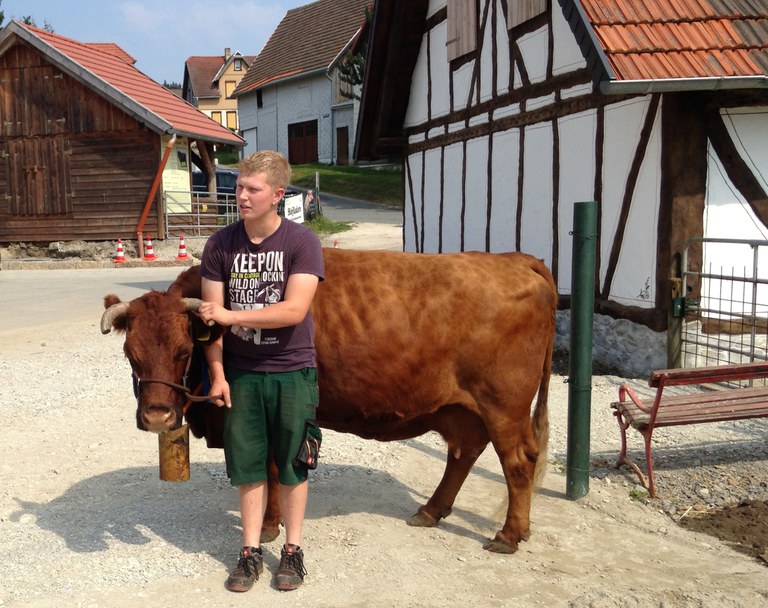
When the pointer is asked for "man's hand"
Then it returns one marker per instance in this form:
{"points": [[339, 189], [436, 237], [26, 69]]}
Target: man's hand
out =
{"points": [[220, 393], [211, 312]]}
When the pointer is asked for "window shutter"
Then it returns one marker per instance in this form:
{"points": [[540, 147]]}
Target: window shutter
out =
{"points": [[462, 28], [521, 11]]}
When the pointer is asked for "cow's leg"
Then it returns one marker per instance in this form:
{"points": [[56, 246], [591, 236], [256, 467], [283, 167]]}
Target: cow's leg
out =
{"points": [[517, 450], [270, 528], [467, 437]]}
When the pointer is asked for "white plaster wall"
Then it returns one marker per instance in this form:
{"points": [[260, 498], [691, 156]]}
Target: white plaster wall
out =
{"points": [[476, 200], [567, 55], [418, 106], [502, 53], [727, 215], [486, 58], [462, 81], [441, 102], [534, 51], [577, 176], [412, 175], [452, 198], [634, 283], [623, 123], [506, 152], [432, 159], [537, 193], [434, 6]]}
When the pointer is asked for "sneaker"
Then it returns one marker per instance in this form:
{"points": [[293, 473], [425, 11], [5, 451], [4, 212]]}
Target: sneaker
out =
{"points": [[249, 566], [291, 572]]}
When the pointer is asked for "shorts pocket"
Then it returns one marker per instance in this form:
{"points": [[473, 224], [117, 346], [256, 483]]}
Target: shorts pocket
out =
{"points": [[309, 450]]}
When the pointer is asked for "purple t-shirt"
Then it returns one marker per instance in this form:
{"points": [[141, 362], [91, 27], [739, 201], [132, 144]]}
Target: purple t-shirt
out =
{"points": [[255, 276]]}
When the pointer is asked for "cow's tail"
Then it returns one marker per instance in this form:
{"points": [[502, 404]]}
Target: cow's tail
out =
{"points": [[540, 419]]}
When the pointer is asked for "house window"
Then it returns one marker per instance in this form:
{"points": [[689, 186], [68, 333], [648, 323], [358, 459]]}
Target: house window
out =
{"points": [[259, 99], [462, 28], [216, 115], [238, 63], [229, 88], [524, 10], [232, 120]]}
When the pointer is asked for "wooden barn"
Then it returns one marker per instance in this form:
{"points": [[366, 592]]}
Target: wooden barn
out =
{"points": [[88, 142], [507, 112]]}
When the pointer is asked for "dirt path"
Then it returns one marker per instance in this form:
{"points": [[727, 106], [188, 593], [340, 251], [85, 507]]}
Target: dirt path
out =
{"points": [[85, 521]]}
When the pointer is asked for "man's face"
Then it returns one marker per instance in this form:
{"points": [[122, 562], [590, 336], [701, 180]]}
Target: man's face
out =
{"points": [[256, 198]]}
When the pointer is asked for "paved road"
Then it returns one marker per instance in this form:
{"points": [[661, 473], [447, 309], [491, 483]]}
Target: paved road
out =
{"points": [[340, 209], [33, 298]]}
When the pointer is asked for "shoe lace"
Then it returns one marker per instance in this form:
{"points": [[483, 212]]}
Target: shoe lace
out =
{"points": [[293, 561], [247, 563]]}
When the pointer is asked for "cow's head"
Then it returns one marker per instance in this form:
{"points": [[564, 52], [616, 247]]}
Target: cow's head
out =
{"points": [[162, 331]]}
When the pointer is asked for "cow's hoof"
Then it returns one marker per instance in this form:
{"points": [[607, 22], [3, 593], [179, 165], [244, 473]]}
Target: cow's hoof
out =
{"points": [[422, 520], [498, 545], [269, 534]]}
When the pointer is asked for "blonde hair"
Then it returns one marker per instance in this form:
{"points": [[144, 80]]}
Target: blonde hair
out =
{"points": [[274, 166]]}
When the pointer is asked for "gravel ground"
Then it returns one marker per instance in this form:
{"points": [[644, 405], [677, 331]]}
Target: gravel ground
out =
{"points": [[85, 521]]}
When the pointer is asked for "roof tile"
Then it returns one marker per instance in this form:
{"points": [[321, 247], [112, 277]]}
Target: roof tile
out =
{"points": [[308, 38], [123, 77], [659, 39]]}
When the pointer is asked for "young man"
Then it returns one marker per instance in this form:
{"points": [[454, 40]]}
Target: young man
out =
{"points": [[259, 277]]}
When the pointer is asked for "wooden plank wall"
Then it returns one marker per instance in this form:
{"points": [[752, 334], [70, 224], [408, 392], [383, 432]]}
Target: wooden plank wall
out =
{"points": [[72, 164]]}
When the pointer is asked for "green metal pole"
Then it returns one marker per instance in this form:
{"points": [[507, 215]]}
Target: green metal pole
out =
{"points": [[580, 353]]}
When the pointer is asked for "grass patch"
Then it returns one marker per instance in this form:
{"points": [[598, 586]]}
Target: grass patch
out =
{"points": [[383, 186], [322, 225]]}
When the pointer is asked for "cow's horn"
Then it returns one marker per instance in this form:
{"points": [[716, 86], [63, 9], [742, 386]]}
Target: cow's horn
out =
{"points": [[193, 305], [113, 312]]}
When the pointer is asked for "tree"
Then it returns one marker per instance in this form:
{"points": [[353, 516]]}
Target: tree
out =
{"points": [[29, 20], [352, 67]]}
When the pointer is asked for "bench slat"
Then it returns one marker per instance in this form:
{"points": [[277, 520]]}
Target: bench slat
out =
{"points": [[640, 420], [714, 374]]}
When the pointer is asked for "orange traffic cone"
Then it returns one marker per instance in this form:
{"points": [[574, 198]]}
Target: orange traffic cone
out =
{"points": [[149, 251], [182, 249], [120, 255]]}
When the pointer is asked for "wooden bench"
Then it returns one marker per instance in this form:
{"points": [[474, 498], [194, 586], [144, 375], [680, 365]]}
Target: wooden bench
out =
{"points": [[709, 401]]}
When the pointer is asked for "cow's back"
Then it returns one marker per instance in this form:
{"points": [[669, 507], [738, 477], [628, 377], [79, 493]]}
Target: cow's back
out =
{"points": [[400, 335]]}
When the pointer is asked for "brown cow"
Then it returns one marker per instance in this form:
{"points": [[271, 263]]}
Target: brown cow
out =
{"points": [[407, 343]]}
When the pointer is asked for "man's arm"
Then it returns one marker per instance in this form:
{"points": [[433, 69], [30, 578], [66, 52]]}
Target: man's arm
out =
{"points": [[291, 310], [213, 292]]}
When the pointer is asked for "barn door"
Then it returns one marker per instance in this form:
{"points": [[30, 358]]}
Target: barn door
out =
{"points": [[302, 142], [39, 177], [342, 145]]}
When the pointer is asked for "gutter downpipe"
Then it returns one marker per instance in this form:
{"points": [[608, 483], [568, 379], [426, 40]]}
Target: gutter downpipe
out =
{"points": [[152, 192]]}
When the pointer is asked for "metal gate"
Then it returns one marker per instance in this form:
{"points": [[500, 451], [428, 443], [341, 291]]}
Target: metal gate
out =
{"points": [[724, 302]]}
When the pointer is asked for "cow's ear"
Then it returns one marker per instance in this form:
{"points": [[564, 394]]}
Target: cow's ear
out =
{"points": [[203, 334], [117, 321]]}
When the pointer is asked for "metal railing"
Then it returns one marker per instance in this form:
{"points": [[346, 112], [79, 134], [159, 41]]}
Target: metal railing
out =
{"points": [[197, 213], [726, 320]]}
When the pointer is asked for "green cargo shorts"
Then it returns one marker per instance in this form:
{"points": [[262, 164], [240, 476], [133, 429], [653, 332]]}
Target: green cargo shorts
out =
{"points": [[270, 411]]}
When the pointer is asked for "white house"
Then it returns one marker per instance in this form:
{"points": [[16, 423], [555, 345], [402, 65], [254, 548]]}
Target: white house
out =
{"points": [[505, 113], [291, 98]]}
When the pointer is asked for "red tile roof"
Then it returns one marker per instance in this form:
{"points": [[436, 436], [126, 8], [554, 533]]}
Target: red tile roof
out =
{"points": [[681, 39], [110, 74], [308, 38]]}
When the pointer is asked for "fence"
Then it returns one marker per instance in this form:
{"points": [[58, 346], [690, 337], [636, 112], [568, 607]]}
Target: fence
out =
{"points": [[726, 321], [202, 213]]}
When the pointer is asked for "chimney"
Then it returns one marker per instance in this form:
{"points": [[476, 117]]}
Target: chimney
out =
{"points": [[227, 53]]}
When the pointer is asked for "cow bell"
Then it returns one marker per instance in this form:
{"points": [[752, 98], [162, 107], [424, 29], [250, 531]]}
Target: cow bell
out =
{"points": [[174, 454]]}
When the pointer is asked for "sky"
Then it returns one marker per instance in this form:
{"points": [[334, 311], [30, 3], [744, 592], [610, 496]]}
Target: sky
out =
{"points": [[160, 34]]}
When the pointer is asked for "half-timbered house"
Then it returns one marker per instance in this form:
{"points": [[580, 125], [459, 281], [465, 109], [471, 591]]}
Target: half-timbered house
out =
{"points": [[507, 112], [88, 143]]}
